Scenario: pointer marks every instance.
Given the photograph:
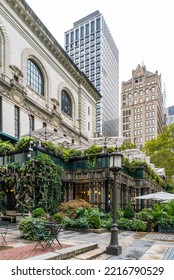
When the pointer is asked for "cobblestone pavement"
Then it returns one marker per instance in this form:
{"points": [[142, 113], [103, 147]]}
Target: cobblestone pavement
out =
{"points": [[135, 245]]}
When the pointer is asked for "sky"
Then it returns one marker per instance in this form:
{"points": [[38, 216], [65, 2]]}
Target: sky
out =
{"points": [[142, 31]]}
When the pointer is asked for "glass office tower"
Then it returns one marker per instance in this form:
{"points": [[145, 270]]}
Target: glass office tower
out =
{"points": [[92, 48]]}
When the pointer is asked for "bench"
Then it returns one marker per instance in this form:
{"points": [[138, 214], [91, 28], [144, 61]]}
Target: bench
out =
{"points": [[10, 215]]}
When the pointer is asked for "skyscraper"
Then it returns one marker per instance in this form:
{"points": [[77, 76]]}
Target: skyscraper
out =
{"points": [[92, 48], [141, 106]]}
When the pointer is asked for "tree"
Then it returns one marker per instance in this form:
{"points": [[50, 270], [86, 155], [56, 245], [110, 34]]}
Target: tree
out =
{"points": [[161, 151]]}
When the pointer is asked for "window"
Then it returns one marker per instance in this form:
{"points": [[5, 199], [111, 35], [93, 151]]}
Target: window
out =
{"points": [[87, 29], [31, 123], [77, 34], [92, 26], [81, 31], [97, 23], [72, 36], [16, 122], [66, 105], [34, 77], [67, 39], [88, 126]]}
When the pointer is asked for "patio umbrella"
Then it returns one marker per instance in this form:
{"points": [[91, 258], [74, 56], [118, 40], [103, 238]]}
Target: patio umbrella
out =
{"points": [[157, 196]]}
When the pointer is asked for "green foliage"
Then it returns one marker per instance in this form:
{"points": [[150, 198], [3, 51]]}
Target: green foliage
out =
{"points": [[161, 151], [79, 223], [38, 213], [24, 144], [93, 218], [158, 212], [92, 153], [49, 146], [127, 145], [144, 214], [109, 149], [138, 225], [128, 212], [6, 147], [27, 227], [58, 217], [36, 183], [169, 208], [128, 224], [70, 208], [169, 222], [88, 218]]}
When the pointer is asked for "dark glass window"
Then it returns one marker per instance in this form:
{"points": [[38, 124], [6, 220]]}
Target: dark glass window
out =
{"points": [[87, 29], [31, 123], [92, 26], [81, 31], [67, 39], [35, 77], [77, 34], [66, 105], [72, 36], [16, 122], [98, 24]]}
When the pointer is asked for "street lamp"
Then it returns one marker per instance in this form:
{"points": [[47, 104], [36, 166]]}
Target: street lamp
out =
{"points": [[115, 164]]}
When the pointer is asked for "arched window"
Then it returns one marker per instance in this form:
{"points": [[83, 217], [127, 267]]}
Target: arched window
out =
{"points": [[34, 77], [66, 105]]}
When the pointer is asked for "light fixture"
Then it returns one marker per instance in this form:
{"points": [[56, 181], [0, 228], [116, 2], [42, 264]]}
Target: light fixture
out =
{"points": [[115, 164]]}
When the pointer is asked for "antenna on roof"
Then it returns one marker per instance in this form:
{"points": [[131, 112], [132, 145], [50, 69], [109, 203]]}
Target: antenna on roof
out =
{"points": [[164, 96]]}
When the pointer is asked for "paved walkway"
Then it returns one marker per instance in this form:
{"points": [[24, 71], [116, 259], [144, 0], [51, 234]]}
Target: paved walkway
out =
{"points": [[135, 246]]}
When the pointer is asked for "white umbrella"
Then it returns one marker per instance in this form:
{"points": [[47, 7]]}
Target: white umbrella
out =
{"points": [[157, 196]]}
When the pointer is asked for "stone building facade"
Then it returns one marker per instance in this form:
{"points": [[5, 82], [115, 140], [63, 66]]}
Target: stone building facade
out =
{"points": [[39, 84], [142, 116]]}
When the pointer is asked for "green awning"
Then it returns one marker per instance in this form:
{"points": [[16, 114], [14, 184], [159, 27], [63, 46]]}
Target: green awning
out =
{"points": [[7, 137]]}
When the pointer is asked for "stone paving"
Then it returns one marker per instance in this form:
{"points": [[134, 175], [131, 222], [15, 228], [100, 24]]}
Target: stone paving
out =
{"points": [[135, 246]]}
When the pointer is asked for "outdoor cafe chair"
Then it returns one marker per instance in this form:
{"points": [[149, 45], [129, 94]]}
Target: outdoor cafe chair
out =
{"points": [[3, 231], [46, 233], [40, 234], [54, 234]]}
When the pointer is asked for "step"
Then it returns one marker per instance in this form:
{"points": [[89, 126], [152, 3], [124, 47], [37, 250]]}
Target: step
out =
{"points": [[66, 253], [89, 255]]}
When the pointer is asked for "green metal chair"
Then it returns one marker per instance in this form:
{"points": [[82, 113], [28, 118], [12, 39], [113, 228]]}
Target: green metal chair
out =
{"points": [[3, 231]]}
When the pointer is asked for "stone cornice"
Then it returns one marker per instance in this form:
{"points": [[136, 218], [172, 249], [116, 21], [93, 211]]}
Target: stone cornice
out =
{"points": [[26, 14]]}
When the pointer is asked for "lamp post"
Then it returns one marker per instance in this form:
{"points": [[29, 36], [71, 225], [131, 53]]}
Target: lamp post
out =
{"points": [[115, 164]]}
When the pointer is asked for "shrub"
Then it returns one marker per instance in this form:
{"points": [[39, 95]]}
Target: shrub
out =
{"points": [[69, 208], [144, 214], [127, 224], [124, 223], [58, 217], [94, 222], [27, 227], [38, 213], [128, 212], [137, 225]]}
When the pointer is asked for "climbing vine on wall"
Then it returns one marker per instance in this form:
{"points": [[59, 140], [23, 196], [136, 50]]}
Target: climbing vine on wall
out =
{"points": [[36, 183]]}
